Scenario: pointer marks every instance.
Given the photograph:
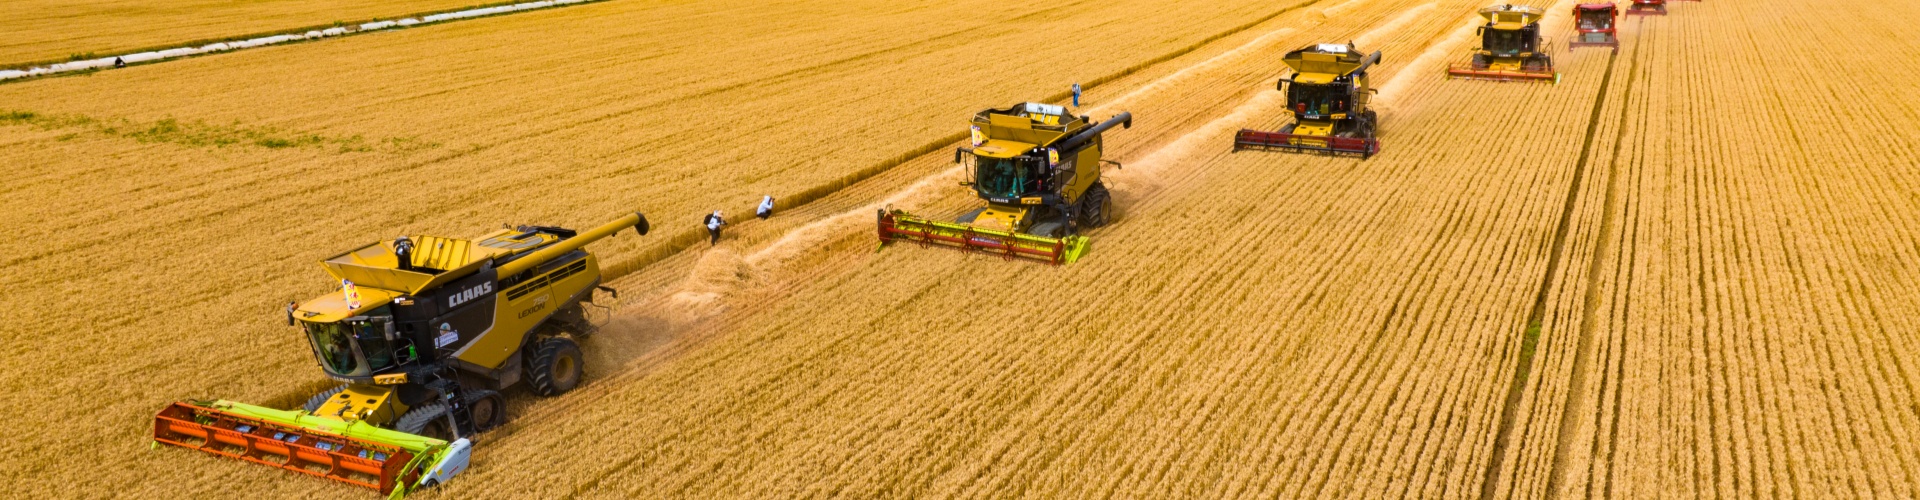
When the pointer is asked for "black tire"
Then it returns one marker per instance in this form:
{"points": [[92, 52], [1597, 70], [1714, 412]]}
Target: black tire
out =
{"points": [[314, 402], [428, 420], [554, 366], [1097, 207], [488, 408]]}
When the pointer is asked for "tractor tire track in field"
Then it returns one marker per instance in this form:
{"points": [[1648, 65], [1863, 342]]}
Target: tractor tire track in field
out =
{"points": [[1583, 354], [1590, 300], [1489, 486]]}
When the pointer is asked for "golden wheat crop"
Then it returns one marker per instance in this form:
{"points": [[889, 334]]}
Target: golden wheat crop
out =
{"points": [[39, 30], [1736, 328], [1687, 269], [203, 193], [1276, 333]]}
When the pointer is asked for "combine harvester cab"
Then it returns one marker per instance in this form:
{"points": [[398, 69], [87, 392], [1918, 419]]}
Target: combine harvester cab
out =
{"points": [[1038, 168], [424, 334], [1594, 26], [1510, 49], [1329, 95], [1648, 8]]}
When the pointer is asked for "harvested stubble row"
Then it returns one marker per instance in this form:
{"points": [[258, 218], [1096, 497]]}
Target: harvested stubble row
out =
{"points": [[164, 212], [1256, 323], [44, 30]]}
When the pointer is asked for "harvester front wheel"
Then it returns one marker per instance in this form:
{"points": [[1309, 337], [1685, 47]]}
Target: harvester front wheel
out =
{"points": [[488, 408], [314, 403], [428, 420], [1097, 210], [554, 367]]}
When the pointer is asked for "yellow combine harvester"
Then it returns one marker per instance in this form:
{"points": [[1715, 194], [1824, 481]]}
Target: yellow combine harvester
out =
{"points": [[1039, 170], [1510, 48], [423, 334], [1328, 95]]}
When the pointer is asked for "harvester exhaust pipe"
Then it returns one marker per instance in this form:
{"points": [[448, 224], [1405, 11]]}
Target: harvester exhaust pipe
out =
{"points": [[1124, 119]]}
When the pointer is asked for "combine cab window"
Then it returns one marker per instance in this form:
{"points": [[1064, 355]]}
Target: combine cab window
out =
{"points": [[1314, 101], [1509, 42], [1595, 20], [334, 343], [1003, 177], [354, 348], [373, 341]]}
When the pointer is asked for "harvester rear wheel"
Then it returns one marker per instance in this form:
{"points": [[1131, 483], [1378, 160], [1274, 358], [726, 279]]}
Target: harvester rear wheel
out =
{"points": [[314, 403], [428, 420], [554, 367]]}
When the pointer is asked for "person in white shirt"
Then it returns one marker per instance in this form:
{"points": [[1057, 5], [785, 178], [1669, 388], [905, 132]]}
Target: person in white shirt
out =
{"points": [[713, 227], [766, 207]]}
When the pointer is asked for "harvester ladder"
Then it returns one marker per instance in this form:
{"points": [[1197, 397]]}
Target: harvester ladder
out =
{"points": [[460, 420]]}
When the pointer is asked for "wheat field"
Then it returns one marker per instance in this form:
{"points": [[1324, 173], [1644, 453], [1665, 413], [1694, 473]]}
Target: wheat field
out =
{"points": [[45, 30], [1688, 269]]}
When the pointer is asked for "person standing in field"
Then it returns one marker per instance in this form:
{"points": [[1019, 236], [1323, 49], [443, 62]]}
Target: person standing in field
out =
{"points": [[714, 222], [1076, 94], [766, 207]]}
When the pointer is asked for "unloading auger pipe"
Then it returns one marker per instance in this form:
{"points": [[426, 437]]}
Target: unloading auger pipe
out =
{"points": [[1371, 60], [637, 221], [1124, 118]]}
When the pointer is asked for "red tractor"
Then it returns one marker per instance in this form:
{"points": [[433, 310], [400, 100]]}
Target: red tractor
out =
{"points": [[1648, 8], [1593, 26]]}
